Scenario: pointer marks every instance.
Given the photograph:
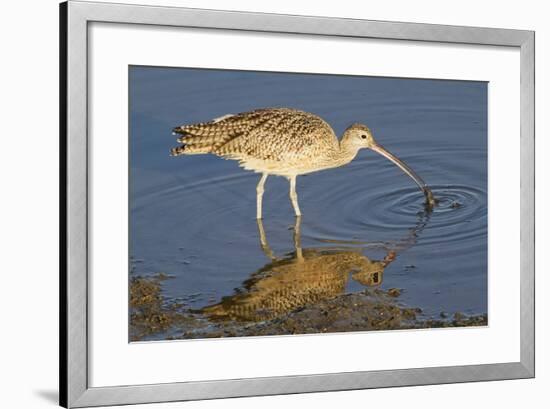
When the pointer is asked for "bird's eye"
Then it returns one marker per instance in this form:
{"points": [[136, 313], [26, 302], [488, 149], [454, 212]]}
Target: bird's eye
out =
{"points": [[364, 136]]}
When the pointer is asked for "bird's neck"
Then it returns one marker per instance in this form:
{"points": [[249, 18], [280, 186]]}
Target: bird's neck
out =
{"points": [[345, 154], [341, 154]]}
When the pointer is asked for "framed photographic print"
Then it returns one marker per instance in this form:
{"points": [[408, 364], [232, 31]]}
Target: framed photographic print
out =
{"points": [[257, 204]]}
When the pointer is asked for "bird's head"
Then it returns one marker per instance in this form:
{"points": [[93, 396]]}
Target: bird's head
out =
{"points": [[359, 136]]}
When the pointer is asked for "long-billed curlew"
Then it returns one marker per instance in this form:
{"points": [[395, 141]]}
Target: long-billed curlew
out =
{"points": [[284, 142]]}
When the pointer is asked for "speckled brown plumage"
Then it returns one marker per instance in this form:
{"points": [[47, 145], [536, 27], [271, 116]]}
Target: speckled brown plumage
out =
{"points": [[277, 140]]}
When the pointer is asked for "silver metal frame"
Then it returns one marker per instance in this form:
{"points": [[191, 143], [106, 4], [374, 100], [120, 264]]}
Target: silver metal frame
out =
{"points": [[74, 388]]}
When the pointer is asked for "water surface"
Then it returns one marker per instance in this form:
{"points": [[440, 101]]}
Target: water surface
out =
{"points": [[193, 217]]}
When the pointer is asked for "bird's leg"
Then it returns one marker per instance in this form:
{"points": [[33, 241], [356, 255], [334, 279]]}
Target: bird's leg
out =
{"points": [[298, 238], [259, 195], [263, 241], [294, 196]]}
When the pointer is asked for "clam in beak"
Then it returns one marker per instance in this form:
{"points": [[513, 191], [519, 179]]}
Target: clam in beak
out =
{"points": [[430, 200]]}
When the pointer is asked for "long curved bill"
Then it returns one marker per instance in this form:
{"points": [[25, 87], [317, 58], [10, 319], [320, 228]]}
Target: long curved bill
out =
{"points": [[430, 200]]}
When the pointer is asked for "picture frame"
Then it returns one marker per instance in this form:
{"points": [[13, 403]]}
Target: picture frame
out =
{"points": [[75, 388]]}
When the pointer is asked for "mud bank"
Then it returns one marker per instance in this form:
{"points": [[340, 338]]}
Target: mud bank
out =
{"points": [[154, 318]]}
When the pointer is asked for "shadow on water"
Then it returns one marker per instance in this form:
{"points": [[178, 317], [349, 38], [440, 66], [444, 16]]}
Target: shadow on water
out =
{"points": [[304, 277]]}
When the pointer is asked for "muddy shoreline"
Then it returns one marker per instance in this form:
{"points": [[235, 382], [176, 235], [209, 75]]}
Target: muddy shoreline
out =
{"points": [[152, 317]]}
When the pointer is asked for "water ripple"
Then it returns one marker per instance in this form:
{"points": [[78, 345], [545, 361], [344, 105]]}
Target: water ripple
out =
{"points": [[348, 212]]}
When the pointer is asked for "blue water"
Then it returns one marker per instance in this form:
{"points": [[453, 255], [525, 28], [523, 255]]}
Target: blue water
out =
{"points": [[193, 217]]}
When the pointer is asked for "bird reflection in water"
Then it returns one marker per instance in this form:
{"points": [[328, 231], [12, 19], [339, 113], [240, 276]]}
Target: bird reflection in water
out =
{"points": [[304, 277]]}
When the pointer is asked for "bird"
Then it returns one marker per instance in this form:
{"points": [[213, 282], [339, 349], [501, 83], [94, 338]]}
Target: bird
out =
{"points": [[283, 142]]}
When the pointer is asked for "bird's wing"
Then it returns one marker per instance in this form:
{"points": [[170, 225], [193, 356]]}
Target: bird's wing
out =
{"points": [[266, 134], [280, 135]]}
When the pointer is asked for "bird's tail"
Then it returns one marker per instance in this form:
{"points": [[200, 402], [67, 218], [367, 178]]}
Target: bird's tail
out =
{"points": [[190, 144], [200, 138], [189, 150]]}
